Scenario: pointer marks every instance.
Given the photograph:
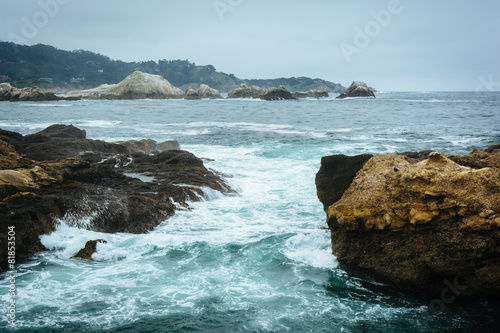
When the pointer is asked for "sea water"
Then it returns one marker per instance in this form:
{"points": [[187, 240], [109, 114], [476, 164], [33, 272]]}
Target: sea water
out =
{"points": [[258, 261]]}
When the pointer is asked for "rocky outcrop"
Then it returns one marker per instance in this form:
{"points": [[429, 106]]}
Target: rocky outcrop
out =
{"points": [[276, 94], [137, 85], [357, 89], [89, 249], [243, 91], [205, 91], [191, 94], [310, 93], [418, 224], [30, 94], [112, 187]]}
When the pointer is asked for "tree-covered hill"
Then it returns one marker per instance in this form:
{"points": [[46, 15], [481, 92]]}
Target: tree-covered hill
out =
{"points": [[51, 68]]}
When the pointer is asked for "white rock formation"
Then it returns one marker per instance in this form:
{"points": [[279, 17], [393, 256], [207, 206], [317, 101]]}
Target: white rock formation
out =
{"points": [[137, 85]]}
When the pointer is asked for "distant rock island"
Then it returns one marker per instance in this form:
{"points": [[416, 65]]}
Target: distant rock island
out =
{"points": [[357, 89], [137, 85], [60, 71]]}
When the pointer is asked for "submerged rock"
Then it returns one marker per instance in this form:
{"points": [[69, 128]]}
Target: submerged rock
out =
{"points": [[417, 224], [137, 85], [115, 187], [357, 89], [89, 249]]}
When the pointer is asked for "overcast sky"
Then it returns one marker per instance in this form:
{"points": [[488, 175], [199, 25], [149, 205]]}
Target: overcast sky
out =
{"points": [[389, 44]]}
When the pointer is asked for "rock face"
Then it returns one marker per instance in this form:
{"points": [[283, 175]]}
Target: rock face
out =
{"points": [[113, 187], [276, 94], [310, 93], [336, 175], [420, 224], [206, 92], [89, 249], [357, 89], [30, 94], [243, 91], [137, 85]]}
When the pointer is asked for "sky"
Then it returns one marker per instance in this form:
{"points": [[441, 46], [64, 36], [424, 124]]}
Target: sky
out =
{"points": [[392, 45]]}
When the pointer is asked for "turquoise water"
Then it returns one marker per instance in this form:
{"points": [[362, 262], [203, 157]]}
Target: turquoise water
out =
{"points": [[257, 262]]}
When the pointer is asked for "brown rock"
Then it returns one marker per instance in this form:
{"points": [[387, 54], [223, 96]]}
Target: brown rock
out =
{"points": [[89, 249], [417, 224]]}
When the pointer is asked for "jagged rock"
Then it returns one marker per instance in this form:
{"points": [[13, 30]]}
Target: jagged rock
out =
{"points": [[418, 224], [34, 94], [191, 94], [357, 89], [310, 93], [335, 176], [115, 187], [243, 91], [137, 85], [89, 249], [206, 92], [275, 94]]}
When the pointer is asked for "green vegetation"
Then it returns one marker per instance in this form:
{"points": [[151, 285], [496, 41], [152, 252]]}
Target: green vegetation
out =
{"points": [[48, 67]]}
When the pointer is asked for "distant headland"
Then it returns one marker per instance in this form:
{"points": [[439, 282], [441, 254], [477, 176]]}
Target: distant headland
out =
{"points": [[60, 71]]}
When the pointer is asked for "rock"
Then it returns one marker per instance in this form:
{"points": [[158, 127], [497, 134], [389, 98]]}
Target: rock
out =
{"points": [[148, 146], [137, 85], [32, 94], [114, 187], [310, 93], [243, 91], [63, 141], [357, 89], [191, 94], [205, 91], [276, 94], [416, 225], [56, 133], [89, 249], [335, 176]]}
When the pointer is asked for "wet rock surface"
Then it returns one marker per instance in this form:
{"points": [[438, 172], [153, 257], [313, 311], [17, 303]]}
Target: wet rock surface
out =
{"points": [[415, 224], [114, 187]]}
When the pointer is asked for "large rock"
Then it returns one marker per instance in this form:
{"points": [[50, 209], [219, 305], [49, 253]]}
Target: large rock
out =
{"points": [[357, 89], [421, 224], [205, 91], [244, 91], [310, 93], [112, 187], [137, 85], [276, 94], [31, 94]]}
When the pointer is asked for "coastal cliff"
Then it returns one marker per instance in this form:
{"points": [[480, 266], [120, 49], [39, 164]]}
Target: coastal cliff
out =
{"points": [[108, 187], [417, 223]]}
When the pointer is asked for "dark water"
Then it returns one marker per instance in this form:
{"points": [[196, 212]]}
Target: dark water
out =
{"points": [[257, 262]]}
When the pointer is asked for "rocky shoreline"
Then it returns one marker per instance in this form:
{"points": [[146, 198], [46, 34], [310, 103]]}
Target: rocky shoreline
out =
{"points": [[108, 187], [422, 221]]}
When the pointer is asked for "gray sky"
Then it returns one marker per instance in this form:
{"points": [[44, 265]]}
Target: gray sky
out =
{"points": [[389, 44]]}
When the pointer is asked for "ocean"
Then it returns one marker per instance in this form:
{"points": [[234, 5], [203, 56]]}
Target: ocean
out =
{"points": [[253, 262]]}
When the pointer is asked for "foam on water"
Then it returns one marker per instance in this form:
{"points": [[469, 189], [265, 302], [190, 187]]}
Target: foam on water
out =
{"points": [[256, 261]]}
